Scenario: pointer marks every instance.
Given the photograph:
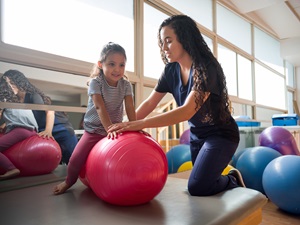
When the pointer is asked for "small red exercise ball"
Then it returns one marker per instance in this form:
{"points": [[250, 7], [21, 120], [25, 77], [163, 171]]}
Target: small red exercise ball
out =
{"points": [[129, 170], [35, 155]]}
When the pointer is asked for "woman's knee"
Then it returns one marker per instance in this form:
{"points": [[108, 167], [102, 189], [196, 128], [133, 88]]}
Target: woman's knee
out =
{"points": [[199, 188]]}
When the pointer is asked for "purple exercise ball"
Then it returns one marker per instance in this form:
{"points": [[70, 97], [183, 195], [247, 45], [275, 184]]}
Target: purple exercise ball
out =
{"points": [[185, 137], [279, 139]]}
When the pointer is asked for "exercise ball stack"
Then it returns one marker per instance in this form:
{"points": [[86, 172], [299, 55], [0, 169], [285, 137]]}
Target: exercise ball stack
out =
{"points": [[281, 183], [35, 155], [179, 158], [129, 170], [252, 164], [237, 155]]}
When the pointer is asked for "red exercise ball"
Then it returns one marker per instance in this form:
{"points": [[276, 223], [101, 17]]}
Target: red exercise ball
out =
{"points": [[82, 176], [129, 170], [35, 155]]}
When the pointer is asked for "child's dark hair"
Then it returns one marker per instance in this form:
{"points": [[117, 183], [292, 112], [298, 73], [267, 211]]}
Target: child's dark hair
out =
{"points": [[107, 49]]}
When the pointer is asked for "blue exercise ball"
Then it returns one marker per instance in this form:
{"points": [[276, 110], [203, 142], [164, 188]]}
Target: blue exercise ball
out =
{"points": [[281, 183], [237, 155], [252, 164], [177, 156]]}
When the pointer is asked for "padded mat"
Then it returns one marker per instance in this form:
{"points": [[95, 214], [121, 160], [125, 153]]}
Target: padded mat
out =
{"points": [[58, 174], [172, 206]]}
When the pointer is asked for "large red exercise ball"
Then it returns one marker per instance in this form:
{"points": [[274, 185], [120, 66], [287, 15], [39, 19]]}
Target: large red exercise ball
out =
{"points": [[279, 139], [185, 137], [82, 176], [179, 157], [129, 170], [35, 155], [252, 164], [282, 183]]}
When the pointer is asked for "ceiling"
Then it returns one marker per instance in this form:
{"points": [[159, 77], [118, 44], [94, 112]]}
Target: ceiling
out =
{"points": [[279, 17]]}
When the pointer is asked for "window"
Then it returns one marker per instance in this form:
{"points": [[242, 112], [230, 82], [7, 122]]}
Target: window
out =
{"points": [[289, 75], [269, 87], [233, 28], [208, 42], [153, 64], [227, 59], [244, 78], [267, 50], [200, 10], [290, 100], [75, 29]]}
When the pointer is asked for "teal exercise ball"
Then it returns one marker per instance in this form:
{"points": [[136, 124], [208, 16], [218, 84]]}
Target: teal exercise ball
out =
{"points": [[281, 183], [237, 155], [252, 164], [177, 156]]}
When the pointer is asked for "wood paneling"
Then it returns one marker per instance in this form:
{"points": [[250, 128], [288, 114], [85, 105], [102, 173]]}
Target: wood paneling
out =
{"points": [[272, 215]]}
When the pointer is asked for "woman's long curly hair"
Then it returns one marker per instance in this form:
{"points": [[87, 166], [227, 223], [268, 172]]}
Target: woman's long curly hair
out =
{"points": [[22, 83], [193, 43]]}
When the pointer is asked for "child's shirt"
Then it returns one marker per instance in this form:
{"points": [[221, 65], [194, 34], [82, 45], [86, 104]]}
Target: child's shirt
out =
{"points": [[19, 118], [113, 98]]}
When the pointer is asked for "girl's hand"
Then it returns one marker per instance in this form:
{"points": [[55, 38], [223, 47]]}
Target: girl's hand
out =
{"points": [[45, 134], [113, 135]]}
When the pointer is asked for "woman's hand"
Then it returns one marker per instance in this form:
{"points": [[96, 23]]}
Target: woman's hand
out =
{"points": [[126, 126], [116, 129]]}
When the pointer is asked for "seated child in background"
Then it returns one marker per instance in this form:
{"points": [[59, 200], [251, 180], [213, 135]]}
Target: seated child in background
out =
{"points": [[16, 87], [18, 125]]}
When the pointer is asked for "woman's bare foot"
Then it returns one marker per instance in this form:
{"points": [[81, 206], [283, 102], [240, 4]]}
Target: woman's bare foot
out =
{"points": [[10, 174], [61, 188]]}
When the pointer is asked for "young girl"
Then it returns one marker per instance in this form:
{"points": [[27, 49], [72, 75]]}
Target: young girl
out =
{"points": [[196, 80], [107, 91], [51, 124], [18, 125]]}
